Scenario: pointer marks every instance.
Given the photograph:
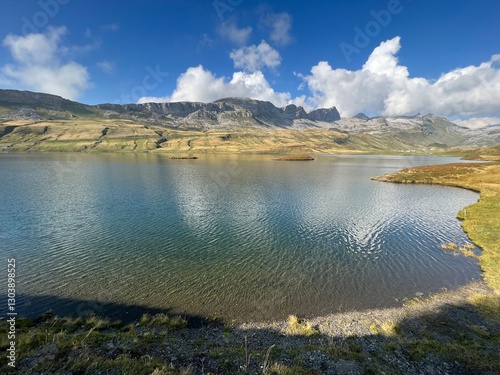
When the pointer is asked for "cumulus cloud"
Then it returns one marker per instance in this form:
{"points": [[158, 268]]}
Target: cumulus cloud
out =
{"points": [[280, 25], [36, 48], [229, 30], [255, 57], [39, 64], [383, 86], [200, 85], [478, 122]]}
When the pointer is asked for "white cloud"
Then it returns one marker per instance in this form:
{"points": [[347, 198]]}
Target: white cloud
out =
{"points": [[254, 58], [383, 86], [478, 122], [200, 85], [39, 65], [34, 48], [280, 25], [107, 66], [75, 50], [229, 30]]}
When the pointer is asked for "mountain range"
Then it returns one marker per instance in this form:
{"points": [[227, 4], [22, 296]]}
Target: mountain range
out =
{"points": [[37, 122]]}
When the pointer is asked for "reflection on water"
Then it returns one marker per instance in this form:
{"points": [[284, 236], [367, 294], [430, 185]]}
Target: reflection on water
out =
{"points": [[234, 237]]}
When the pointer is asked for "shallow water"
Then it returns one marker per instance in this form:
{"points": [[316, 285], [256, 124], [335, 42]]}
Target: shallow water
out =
{"points": [[243, 238]]}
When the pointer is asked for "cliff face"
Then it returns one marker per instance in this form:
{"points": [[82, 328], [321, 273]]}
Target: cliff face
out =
{"points": [[225, 112], [264, 113]]}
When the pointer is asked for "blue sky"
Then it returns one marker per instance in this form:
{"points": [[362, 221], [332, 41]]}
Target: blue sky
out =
{"points": [[379, 57]]}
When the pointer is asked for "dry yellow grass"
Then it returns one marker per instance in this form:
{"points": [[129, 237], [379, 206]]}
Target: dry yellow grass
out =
{"points": [[125, 135], [297, 326], [129, 136]]}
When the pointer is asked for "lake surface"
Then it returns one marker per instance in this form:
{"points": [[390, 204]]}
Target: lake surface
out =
{"points": [[244, 238]]}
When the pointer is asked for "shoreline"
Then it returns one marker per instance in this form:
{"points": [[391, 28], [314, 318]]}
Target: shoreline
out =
{"points": [[426, 335], [478, 219]]}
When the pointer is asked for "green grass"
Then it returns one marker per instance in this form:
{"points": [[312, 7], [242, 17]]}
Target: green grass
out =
{"points": [[470, 352], [163, 320], [489, 306], [96, 345], [278, 369], [79, 345]]}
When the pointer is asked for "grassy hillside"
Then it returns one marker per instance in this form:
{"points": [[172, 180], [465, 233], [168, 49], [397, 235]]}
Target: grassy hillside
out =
{"points": [[485, 153], [115, 135]]}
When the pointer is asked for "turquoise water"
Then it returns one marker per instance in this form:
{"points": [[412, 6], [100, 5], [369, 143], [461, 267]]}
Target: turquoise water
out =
{"points": [[244, 238]]}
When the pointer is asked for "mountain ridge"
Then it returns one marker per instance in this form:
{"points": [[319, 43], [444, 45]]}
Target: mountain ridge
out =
{"points": [[83, 126], [264, 112]]}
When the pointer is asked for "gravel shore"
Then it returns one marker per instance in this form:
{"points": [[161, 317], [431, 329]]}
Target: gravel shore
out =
{"points": [[455, 332]]}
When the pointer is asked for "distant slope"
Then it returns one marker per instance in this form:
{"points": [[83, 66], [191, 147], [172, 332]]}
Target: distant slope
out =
{"points": [[37, 122], [224, 113], [484, 153], [421, 130], [21, 105]]}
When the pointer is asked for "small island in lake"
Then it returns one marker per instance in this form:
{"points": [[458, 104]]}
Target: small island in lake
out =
{"points": [[301, 157]]}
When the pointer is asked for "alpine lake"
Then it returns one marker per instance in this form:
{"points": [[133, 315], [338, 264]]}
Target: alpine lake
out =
{"points": [[234, 237]]}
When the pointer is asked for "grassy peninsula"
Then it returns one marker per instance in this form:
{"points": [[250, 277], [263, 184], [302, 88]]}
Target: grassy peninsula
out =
{"points": [[481, 221]]}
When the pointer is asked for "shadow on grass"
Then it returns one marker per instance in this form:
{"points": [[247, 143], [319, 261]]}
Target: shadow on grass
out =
{"points": [[32, 307], [442, 338]]}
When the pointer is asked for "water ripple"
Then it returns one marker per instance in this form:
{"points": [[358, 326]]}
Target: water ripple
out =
{"points": [[276, 239]]}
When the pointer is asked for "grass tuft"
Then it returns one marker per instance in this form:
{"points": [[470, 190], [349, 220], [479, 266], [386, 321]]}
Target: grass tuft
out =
{"points": [[96, 323], [390, 328], [465, 249], [300, 327], [449, 246], [163, 320]]}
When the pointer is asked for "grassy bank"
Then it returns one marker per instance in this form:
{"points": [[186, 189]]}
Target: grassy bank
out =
{"points": [[449, 333]]}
